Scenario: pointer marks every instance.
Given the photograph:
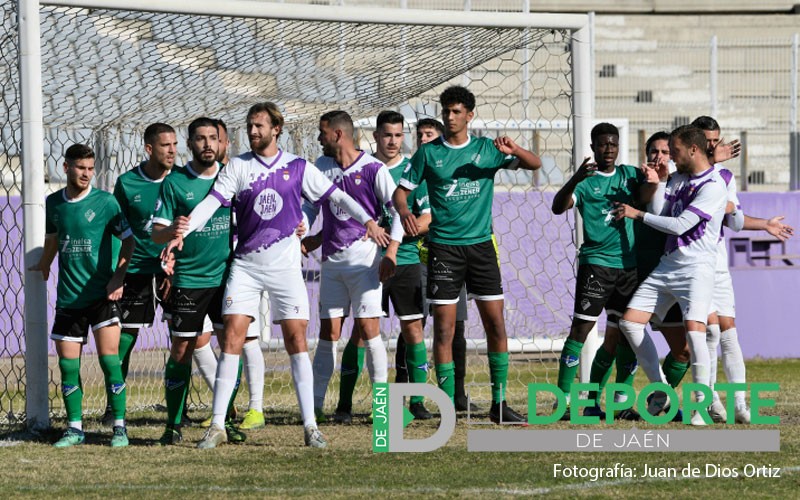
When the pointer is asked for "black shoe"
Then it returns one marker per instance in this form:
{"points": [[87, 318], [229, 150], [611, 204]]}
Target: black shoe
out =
{"points": [[463, 404], [343, 417], [501, 413], [420, 412], [108, 417]]}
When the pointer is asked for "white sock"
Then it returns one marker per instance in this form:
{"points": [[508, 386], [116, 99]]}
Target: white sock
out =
{"points": [[119, 422], [377, 362], [733, 362], [712, 341], [645, 349], [303, 378], [227, 370], [78, 424], [324, 364], [699, 358], [254, 372], [206, 361]]}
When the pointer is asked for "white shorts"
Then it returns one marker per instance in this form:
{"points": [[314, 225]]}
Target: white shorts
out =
{"points": [[288, 297], [691, 287], [723, 302], [344, 285]]}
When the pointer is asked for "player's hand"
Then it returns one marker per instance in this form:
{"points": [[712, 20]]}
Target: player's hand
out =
{"points": [[623, 210], [409, 223], [726, 151], [167, 259], [650, 172], [505, 145], [180, 225], [730, 208], [300, 230], [114, 288], [377, 234], [587, 169], [778, 229], [40, 267], [310, 243], [166, 286], [388, 268]]}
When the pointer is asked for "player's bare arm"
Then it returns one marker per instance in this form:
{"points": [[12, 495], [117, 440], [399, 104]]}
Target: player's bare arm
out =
{"points": [[648, 189], [114, 287], [400, 200], [726, 151], [48, 254], [562, 201], [423, 223], [377, 233], [773, 226], [389, 261], [624, 210], [527, 159]]}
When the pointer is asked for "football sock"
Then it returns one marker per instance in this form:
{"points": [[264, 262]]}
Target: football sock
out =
{"points": [[323, 365], [377, 362], [400, 367], [352, 361], [303, 378], [115, 384], [699, 358], [237, 383], [445, 374], [498, 375], [712, 341], [733, 362], [224, 385], [674, 370], [206, 361], [626, 363], [71, 390], [601, 371], [568, 364], [126, 343], [254, 371], [177, 377], [417, 360], [645, 349], [460, 358]]}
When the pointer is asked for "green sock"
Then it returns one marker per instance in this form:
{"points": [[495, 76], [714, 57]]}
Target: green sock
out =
{"points": [[674, 370], [446, 378], [601, 371], [177, 377], [71, 388], [568, 364], [626, 364], [126, 342], [498, 375], [115, 384], [417, 362], [352, 361], [235, 390]]}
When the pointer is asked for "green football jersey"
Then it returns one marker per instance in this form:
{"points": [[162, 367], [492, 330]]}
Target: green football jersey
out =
{"points": [[203, 261], [606, 241], [136, 194], [84, 228], [460, 183], [408, 252]]}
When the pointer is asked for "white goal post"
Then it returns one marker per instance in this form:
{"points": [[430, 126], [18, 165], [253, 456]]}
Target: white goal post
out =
{"points": [[34, 123]]}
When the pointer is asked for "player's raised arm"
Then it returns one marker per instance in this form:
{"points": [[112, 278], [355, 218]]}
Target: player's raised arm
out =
{"points": [[526, 159], [563, 200]]}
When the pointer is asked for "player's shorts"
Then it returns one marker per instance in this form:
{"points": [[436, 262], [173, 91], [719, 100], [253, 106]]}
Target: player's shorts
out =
{"points": [[288, 297], [72, 325], [461, 307], [723, 303], [600, 287], [404, 290], [190, 306], [692, 287], [344, 285], [140, 294], [451, 266]]}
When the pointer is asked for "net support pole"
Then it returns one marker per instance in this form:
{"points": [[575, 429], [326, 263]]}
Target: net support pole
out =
{"points": [[33, 195]]}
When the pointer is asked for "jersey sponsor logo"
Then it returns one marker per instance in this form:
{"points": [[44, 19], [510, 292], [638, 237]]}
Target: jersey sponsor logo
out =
{"points": [[268, 204], [338, 212], [458, 191], [609, 216], [90, 215], [76, 245]]}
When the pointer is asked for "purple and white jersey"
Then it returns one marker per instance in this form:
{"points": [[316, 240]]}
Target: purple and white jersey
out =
{"points": [[368, 182], [733, 197], [705, 196], [267, 195]]}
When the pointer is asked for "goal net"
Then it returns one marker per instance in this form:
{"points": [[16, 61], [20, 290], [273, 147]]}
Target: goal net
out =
{"points": [[106, 73]]}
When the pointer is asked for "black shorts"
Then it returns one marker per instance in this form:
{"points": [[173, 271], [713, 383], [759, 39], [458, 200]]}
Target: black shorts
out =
{"points": [[461, 308], [190, 306], [674, 317], [600, 287], [450, 267], [404, 290], [72, 325], [140, 295]]}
